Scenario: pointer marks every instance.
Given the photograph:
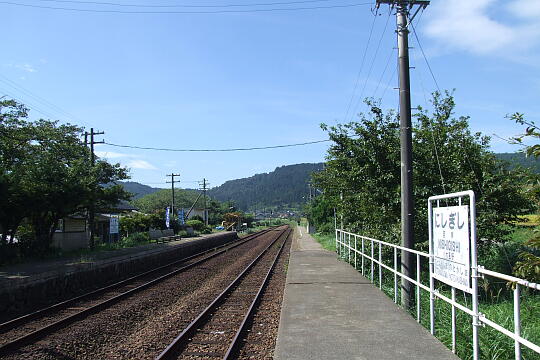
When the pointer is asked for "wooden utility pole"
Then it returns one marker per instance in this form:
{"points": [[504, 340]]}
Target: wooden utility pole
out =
{"points": [[204, 183], [403, 10], [172, 190], [91, 210]]}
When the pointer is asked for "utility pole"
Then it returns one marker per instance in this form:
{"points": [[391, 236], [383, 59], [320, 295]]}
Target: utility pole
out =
{"points": [[403, 9], [172, 190], [204, 184], [91, 210]]}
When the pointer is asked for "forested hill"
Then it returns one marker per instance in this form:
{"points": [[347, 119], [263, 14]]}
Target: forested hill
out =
{"points": [[282, 188], [138, 190], [519, 159]]}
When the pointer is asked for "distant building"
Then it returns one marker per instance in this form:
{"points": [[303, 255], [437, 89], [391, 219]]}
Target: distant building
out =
{"points": [[73, 231], [195, 212]]}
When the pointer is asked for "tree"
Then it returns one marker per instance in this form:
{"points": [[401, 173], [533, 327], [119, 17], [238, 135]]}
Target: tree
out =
{"points": [[528, 265], [47, 174], [363, 164]]}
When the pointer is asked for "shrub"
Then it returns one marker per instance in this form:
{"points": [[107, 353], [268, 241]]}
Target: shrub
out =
{"points": [[197, 225], [206, 230]]}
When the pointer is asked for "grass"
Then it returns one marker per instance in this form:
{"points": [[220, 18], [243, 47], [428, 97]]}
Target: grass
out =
{"points": [[528, 220], [328, 241], [496, 307]]}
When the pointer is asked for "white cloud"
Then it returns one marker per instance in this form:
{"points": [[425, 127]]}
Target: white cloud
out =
{"points": [[469, 26], [525, 8], [141, 164], [26, 67], [112, 155]]}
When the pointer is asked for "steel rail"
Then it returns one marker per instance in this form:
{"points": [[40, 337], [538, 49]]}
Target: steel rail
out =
{"points": [[181, 340], [8, 325], [235, 343], [47, 329]]}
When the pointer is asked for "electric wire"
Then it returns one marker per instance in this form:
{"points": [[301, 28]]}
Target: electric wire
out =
{"points": [[480, 189], [359, 101], [361, 68], [424, 54], [390, 81], [55, 108], [183, 11], [183, 5], [432, 132], [29, 105], [383, 73], [218, 150]]}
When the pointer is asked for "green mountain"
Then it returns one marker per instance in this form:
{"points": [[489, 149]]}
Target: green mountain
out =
{"points": [[283, 188], [519, 159], [139, 190]]}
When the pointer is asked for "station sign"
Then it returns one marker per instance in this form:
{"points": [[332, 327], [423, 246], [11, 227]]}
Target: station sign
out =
{"points": [[450, 245], [167, 217], [114, 224]]}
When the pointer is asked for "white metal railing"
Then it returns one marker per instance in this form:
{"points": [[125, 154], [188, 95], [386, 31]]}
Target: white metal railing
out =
{"points": [[358, 250]]}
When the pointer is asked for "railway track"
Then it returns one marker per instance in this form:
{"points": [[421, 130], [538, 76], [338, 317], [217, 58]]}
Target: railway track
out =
{"points": [[32, 327], [218, 330]]}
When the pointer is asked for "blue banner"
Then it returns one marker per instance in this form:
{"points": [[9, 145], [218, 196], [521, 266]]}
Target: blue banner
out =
{"points": [[181, 220], [167, 219]]}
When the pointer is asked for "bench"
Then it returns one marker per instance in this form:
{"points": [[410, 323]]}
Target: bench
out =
{"points": [[163, 235]]}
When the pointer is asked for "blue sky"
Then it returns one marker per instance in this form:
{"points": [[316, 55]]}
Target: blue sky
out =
{"points": [[259, 78]]}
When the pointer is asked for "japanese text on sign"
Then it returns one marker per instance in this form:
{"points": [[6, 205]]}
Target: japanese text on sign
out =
{"points": [[450, 245], [113, 225]]}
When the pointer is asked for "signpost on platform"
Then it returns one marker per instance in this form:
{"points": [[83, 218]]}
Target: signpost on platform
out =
{"points": [[452, 252], [114, 223], [167, 217], [113, 226], [451, 246]]}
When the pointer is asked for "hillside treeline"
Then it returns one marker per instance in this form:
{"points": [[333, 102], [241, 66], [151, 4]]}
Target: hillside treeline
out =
{"points": [[285, 187]]}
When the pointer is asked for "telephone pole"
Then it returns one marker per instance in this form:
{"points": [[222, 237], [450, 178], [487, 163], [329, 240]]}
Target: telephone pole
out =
{"points": [[91, 210], [172, 190], [403, 9], [204, 185]]}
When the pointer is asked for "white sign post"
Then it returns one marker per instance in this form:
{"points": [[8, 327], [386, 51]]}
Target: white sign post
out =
{"points": [[113, 225], [451, 246], [452, 250]]}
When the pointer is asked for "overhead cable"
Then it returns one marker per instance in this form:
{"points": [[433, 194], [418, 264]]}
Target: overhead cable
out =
{"points": [[360, 70], [218, 150], [372, 64], [183, 5], [183, 11]]}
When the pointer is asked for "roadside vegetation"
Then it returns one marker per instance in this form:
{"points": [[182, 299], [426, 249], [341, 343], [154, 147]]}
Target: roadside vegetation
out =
{"points": [[361, 181]]}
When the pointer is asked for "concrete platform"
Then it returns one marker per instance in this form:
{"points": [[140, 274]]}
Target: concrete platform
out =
{"points": [[330, 311]]}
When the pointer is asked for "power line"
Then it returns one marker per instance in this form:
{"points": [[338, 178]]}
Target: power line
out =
{"points": [[183, 5], [39, 99], [424, 55], [218, 150], [361, 68], [372, 62], [384, 72], [28, 104], [182, 11]]}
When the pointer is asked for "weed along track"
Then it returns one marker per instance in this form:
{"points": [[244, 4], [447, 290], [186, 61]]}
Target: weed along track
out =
{"points": [[134, 318], [219, 330]]}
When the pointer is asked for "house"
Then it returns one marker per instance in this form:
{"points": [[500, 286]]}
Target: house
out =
{"points": [[73, 231]]}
